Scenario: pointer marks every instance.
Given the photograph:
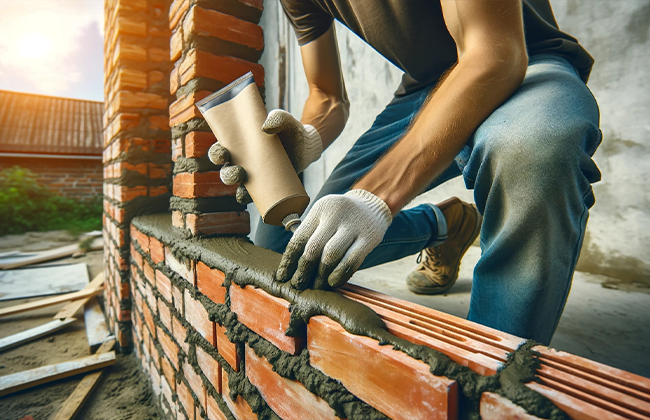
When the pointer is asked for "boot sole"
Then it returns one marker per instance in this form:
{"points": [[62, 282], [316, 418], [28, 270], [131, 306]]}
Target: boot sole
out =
{"points": [[433, 290]]}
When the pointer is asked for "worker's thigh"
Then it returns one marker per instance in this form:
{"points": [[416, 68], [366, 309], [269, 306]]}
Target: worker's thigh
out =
{"points": [[530, 166]]}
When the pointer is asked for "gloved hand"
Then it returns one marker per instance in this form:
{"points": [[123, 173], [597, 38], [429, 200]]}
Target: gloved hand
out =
{"points": [[301, 142], [334, 239]]}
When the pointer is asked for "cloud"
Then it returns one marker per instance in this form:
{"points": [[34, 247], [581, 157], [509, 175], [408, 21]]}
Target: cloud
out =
{"points": [[72, 30]]}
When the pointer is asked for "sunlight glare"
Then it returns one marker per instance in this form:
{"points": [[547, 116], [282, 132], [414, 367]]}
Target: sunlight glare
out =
{"points": [[34, 45]]}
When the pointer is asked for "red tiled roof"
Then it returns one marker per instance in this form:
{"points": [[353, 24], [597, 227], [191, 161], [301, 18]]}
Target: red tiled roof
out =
{"points": [[45, 124]]}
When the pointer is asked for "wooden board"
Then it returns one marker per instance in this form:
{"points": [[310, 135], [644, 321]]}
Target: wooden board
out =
{"points": [[80, 395], [52, 254], [16, 309], [33, 333], [97, 331], [43, 281], [71, 308], [29, 378]]}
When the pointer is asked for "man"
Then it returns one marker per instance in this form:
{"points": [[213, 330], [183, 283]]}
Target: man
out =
{"points": [[506, 108]]}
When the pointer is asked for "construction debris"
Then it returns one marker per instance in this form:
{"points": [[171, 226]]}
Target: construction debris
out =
{"points": [[71, 308], [50, 301], [42, 375], [33, 333], [97, 331], [43, 281]]}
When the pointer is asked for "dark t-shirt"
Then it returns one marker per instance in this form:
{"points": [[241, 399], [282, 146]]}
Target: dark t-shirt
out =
{"points": [[412, 34]]}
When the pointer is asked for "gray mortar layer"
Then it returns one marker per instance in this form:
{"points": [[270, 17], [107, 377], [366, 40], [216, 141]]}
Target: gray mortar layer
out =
{"points": [[195, 124], [245, 264], [227, 48], [191, 165], [345, 404], [238, 382], [205, 205], [140, 206], [130, 178]]}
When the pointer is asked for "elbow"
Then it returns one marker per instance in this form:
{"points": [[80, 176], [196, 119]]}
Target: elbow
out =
{"points": [[504, 65]]}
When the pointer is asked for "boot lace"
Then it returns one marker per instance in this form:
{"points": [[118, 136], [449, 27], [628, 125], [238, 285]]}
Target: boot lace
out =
{"points": [[432, 258]]}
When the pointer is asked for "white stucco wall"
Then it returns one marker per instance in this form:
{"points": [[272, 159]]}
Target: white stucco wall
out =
{"points": [[615, 33]]}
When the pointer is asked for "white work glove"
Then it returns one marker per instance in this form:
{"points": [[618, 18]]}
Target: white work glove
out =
{"points": [[334, 239], [301, 142]]}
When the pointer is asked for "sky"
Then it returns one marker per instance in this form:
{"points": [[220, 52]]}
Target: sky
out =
{"points": [[52, 47]]}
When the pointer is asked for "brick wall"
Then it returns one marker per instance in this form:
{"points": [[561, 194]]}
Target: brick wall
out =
{"points": [[212, 44], [217, 344], [73, 178], [137, 141]]}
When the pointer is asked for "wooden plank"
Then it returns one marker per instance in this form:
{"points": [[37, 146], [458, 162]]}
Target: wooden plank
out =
{"points": [[80, 395], [16, 309], [33, 333], [42, 375], [51, 254], [97, 331], [71, 308]]}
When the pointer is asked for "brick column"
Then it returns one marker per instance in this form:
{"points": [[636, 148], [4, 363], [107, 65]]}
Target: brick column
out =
{"points": [[212, 44], [137, 141]]}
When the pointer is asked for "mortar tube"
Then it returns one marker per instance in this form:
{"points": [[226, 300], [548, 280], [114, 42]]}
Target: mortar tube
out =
{"points": [[291, 222]]}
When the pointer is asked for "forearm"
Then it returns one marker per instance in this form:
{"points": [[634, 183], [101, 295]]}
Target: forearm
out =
{"points": [[470, 93], [328, 114]]}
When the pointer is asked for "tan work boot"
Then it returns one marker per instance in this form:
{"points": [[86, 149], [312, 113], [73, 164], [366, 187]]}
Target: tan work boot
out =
{"points": [[438, 268]]}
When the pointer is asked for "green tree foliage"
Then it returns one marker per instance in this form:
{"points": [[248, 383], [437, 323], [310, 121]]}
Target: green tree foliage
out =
{"points": [[26, 206]]}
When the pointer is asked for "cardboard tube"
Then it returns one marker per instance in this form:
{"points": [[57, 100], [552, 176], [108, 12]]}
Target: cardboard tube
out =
{"points": [[236, 114]]}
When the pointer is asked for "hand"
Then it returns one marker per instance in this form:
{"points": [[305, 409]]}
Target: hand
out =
{"points": [[336, 236], [301, 142]]}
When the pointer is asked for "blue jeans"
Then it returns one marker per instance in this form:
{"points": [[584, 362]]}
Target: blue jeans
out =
{"points": [[529, 164]]}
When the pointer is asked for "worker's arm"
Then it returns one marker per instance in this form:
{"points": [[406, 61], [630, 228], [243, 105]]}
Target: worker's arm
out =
{"points": [[327, 105], [492, 62], [340, 231]]}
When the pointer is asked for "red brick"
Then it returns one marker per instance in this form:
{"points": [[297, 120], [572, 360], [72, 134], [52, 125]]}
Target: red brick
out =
{"points": [[180, 334], [289, 399], [178, 300], [149, 273], [250, 301], [162, 146], [184, 109], [140, 238], [164, 314], [168, 393], [210, 368], [148, 319], [164, 286], [197, 316], [178, 220], [131, 79], [155, 356], [159, 171], [226, 348], [168, 371], [136, 257], [239, 407], [219, 223], [225, 69], [177, 10], [195, 382], [183, 269], [211, 23], [169, 347], [201, 184], [125, 100], [174, 80], [391, 381], [495, 407], [209, 281], [197, 143], [124, 291], [157, 250], [214, 412], [151, 299], [159, 122], [176, 45], [185, 398]]}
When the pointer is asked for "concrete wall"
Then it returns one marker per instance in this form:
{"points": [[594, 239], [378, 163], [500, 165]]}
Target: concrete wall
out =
{"points": [[616, 34]]}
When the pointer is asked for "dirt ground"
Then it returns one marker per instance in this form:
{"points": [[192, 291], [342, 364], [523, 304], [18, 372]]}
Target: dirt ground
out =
{"points": [[122, 393]]}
